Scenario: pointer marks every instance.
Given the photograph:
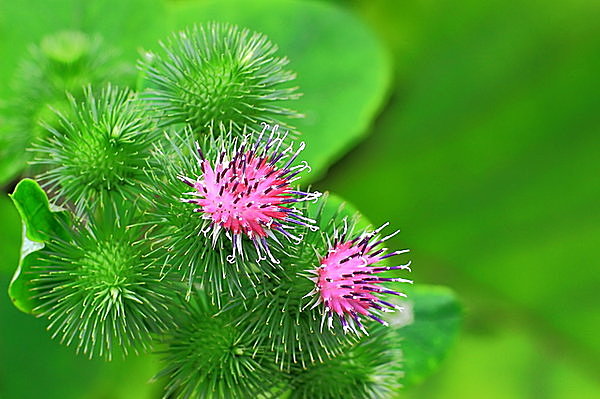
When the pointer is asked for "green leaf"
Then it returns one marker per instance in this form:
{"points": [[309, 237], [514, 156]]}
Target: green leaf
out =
{"points": [[40, 224], [9, 235], [333, 205], [434, 316], [343, 71]]}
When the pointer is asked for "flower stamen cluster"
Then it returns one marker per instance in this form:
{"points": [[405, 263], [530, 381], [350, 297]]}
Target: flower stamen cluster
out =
{"points": [[248, 192], [348, 279]]}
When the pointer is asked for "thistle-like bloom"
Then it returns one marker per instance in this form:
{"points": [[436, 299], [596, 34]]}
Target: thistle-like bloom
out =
{"points": [[248, 192], [348, 280]]}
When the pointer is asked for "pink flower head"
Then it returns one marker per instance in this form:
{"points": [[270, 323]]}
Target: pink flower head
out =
{"points": [[348, 282], [248, 192]]}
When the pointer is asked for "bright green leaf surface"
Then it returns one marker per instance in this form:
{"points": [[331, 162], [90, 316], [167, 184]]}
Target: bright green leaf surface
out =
{"points": [[343, 70], [40, 224], [436, 319]]}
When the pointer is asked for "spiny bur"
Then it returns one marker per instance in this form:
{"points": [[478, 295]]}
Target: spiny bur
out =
{"points": [[100, 151], [219, 74], [99, 290], [206, 355]]}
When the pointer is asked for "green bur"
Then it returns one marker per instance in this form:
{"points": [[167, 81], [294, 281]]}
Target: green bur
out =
{"points": [[206, 355], [219, 74], [99, 153], [99, 291]]}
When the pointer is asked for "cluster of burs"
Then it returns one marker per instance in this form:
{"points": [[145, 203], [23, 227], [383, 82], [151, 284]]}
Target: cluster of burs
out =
{"points": [[178, 223]]}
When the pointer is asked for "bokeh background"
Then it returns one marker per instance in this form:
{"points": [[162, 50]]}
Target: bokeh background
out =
{"points": [[471, 125]]}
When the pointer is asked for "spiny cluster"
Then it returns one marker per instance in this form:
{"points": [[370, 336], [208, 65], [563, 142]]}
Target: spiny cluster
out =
{"points": [[197, 188], [218, 73]]}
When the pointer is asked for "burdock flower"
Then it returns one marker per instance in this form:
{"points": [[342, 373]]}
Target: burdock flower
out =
{"points": [[349, 280], [248, 192]]}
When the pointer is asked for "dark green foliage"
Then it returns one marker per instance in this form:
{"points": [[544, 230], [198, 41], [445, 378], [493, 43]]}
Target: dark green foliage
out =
{"points": [[370, 369], [100, 150], [207, 356], [218, 73], [99, 290]]}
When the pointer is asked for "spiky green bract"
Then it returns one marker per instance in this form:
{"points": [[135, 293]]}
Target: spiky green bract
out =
{"points": [[218, 73], [100, 151], [370, 369], [63, 62], [99, 291], [282, 318], [206, 356], [182, 237]]}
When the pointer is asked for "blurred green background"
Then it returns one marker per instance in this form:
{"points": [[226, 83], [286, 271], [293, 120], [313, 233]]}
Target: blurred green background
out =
{"points": [[471, 125]]}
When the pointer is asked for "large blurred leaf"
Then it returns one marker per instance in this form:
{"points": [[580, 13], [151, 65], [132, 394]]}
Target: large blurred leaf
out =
{"points": [[40, 224], [436, 319], [488, 159], [342, 69]]}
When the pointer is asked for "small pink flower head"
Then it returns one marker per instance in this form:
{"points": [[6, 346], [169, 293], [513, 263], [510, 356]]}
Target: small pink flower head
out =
{"points": [[347, 281], [248, 192]]}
